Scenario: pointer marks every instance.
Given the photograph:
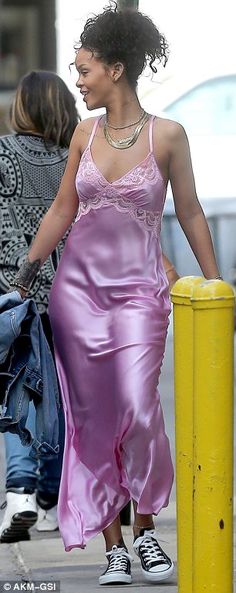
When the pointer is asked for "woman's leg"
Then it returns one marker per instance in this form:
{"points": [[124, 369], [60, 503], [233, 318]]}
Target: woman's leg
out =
{"points": [[118, 570], [141, 521], [113, 535], [21, 467], [155, 564], [21, 483]]}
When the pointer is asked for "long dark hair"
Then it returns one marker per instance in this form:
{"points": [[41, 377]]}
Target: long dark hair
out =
{"points": [[43, 104]]}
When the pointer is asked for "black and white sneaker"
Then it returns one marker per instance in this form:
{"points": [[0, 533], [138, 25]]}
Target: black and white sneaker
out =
{"points": [[156, 566], [119, 567]]}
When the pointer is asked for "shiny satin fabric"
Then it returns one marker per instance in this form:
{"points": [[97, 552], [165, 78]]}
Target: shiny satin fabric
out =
{"points": [[109, 308]]}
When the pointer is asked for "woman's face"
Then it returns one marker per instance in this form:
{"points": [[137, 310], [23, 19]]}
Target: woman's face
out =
{"points": [[95, 79]]}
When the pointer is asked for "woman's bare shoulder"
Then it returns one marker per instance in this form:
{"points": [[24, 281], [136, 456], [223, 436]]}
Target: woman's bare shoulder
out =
{"points": [[168, 127], [83, 131], [87, 123]]}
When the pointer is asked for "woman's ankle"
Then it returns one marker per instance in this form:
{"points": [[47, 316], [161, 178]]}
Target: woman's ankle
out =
{"points": [[113, 534], [141, 521], [139, 529], [119, 543]]}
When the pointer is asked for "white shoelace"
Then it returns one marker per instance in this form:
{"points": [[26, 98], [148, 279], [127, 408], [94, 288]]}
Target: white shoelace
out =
{"points": [[150, 549], [118, 559]]}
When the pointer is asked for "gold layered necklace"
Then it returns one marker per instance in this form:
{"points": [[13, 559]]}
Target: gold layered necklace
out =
{"points": [[130, 140], [134, 123]]}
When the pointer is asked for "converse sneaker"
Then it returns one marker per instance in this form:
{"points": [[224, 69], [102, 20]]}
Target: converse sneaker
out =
{"points": [[20, 515], [119, 567], [156, 566], [47, 519]]}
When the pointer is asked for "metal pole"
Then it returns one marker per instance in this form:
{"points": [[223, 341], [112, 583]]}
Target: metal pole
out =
{"points": [[213, 311], [125, 514], [121, 4], [183, 364]]}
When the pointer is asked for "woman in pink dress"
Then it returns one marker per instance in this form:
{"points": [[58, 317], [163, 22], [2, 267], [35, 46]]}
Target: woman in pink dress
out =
{"points": [[109, 303]]}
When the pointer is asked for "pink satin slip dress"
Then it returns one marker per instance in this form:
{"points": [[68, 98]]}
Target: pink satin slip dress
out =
{"points": [[109, 308]]}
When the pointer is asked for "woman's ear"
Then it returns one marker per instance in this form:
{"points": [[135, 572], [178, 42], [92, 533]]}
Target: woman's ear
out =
{"points": [[117, 71]]}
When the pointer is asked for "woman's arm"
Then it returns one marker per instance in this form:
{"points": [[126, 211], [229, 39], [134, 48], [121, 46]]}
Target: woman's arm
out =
{"points": [[187, 206], [56, 221]]}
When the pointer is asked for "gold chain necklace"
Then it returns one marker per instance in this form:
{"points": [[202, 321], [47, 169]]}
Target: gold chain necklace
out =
{"points": [[128, 126], [126, 142]]}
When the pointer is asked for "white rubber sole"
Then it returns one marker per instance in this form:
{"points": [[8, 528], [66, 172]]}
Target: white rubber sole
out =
{"points": [[158, 577], [119, 579], [18, 528], [46, 528]]}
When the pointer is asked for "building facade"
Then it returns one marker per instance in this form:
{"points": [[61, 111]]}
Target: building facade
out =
{"points": [[27, 41]]}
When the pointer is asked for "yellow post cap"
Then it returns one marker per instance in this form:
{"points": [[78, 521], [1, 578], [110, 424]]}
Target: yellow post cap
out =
{"points": [[213, 293], [182, 290]]}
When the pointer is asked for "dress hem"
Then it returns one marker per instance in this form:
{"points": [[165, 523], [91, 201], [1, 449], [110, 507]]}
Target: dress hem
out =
{"points": [[82, 546]]}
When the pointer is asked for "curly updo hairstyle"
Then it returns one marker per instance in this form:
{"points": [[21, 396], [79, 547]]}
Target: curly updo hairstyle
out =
{"points": [[126, 36]]}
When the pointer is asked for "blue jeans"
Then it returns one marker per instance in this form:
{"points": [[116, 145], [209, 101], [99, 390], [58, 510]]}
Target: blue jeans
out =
{"points": [[23, 469]]}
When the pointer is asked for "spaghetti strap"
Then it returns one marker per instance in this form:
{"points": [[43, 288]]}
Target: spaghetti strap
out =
{"points": [[94, 130], [151, 122]]}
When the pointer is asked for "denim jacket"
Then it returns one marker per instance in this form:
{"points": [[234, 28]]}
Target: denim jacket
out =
{"points": [[27, 372]]}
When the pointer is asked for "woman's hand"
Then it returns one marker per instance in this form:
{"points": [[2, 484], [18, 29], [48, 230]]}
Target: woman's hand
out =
{"points": [[23, 293], [172, 275]]}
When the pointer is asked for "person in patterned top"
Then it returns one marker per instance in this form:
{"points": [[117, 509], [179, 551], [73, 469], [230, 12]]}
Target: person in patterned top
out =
{"points": [[32, 162]]}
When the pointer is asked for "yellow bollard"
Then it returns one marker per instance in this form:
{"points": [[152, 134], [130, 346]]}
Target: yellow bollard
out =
{"points": [[213, 305], [183, 363]]}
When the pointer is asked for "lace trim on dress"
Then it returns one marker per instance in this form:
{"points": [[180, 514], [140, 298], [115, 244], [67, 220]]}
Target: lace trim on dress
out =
{"points": [[149, 219], [145, 170]]}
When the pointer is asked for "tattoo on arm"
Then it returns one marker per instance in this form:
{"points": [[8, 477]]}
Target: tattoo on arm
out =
{"points": [[26, 274]]}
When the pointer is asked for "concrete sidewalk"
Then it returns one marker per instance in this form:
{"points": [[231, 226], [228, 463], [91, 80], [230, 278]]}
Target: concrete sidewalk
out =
{"points": [[43, 559]]}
